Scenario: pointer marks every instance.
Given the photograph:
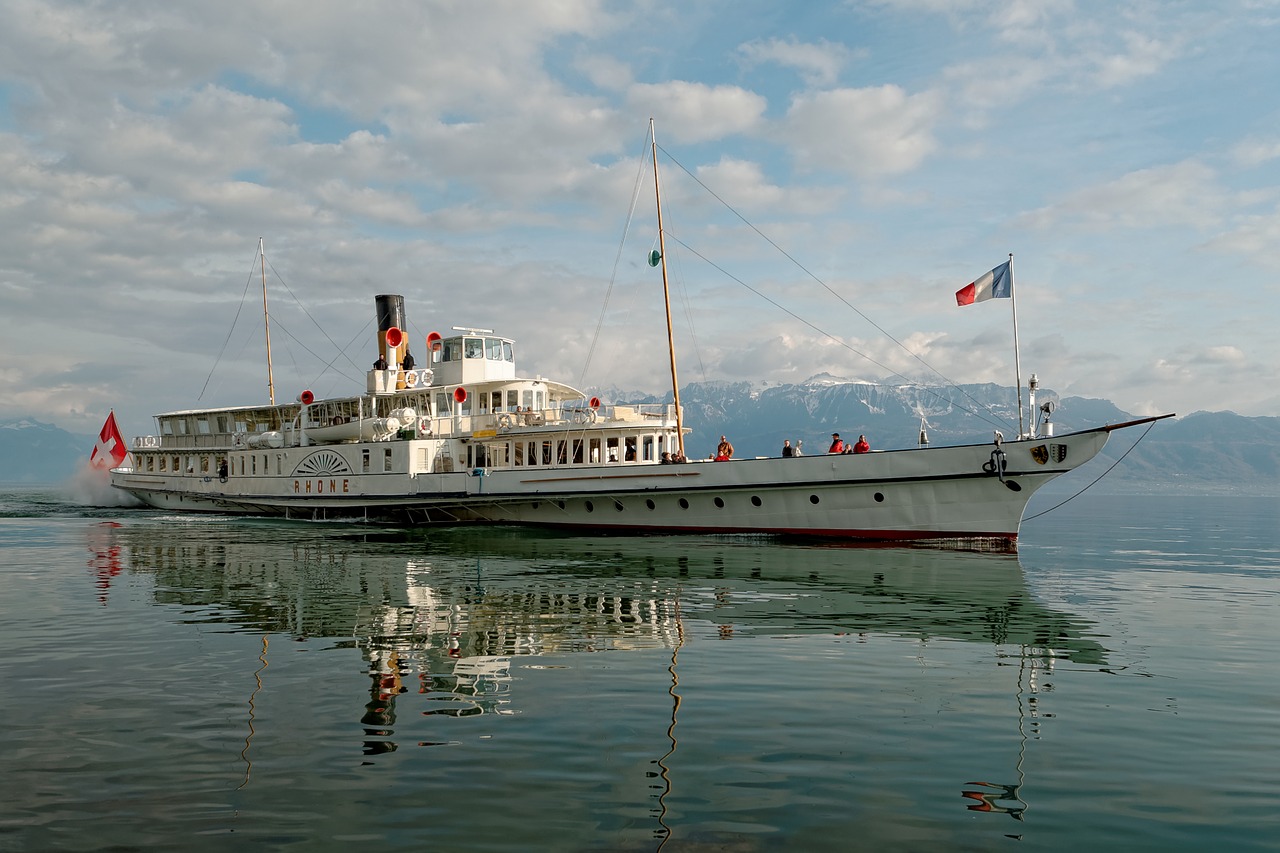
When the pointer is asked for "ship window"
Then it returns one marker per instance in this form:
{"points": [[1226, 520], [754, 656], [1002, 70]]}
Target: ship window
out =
{"points": [[546, 453], [222, 423], [595, 451], [166, 427], [527, 396], [164, 463], [513, 400], [508, 354], [519, 453], [204, 464], [182, 426], [648, 448], [253, 465], [497, 401], [539, 400], [612, 449], [562, 452], [719, 503], [452, 350], [473, 347], [386, 459], [364, 461], [482, 457], [442, 404], [177, 464], [484, 403], [577, 451], [493, 349], [202, 426]]}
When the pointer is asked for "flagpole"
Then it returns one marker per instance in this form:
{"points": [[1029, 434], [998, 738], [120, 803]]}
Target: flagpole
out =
{"points": [[1017, 363]]}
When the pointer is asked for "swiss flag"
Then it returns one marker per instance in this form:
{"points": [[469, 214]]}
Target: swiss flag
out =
{"points": [[110, 451]]}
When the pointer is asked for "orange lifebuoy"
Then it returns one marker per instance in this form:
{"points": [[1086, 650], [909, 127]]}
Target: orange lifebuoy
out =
{"points": [[460, 394]]}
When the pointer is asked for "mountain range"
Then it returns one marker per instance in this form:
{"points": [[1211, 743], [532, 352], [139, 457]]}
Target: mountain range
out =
{"points": [[1203, 450]]}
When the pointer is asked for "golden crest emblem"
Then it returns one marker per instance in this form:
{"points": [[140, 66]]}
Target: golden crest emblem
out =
{"points": [[1040, 453]]}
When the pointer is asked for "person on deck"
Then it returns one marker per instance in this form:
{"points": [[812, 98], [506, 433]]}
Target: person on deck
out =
{"points": [[837, 446], [862, 446], [787, 449], [380, 364], [724, 450], [408, 361]]}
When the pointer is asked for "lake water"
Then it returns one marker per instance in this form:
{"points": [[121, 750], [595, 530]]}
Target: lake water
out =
{"points": [[179, 683]]}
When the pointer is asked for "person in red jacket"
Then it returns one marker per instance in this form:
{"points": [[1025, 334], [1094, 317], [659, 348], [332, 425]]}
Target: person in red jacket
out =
{"points": [[837, 446], [862, 446]]}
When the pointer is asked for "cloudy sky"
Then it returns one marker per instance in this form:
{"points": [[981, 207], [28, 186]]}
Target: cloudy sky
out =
{"points": [[831, 173]]}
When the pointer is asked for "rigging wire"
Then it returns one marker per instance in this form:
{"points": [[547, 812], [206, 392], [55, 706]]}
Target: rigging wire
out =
{"points": [[1096, 479], [231, 330], [617, 261], [832, 291], [980, 414]]}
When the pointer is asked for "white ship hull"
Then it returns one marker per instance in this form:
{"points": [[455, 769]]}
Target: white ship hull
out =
{"points": [[919, 494]]}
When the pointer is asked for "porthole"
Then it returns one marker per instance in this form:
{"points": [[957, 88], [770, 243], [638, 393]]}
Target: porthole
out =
{"points": [[590, 507], [755, 500], [536, 504], [813, 499], [617, 505], [719, 503], [560, 504], [1013, 485], [684, 503], [650, 504], [879, 497]]}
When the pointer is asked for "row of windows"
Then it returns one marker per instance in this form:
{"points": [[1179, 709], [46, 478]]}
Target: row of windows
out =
{"points": [[632, 448], [684, 503], [456, 349], [245, 464]]}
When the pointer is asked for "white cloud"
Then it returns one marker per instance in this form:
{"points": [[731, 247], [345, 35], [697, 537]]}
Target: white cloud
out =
{"points": [[1186, 194], [695, 112], [819, 64], [869, 133]]}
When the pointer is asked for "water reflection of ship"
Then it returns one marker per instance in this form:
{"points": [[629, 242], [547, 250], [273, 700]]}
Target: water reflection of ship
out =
{"points": [[443, 615], [467, 593]]}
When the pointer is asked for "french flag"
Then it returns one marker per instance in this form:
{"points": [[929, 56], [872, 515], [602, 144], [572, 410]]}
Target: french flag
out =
{"points": [[997, 284]]}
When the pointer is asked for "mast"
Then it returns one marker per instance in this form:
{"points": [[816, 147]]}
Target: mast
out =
{"points": [[266, 321], [666, 297], [1017, 364]]}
